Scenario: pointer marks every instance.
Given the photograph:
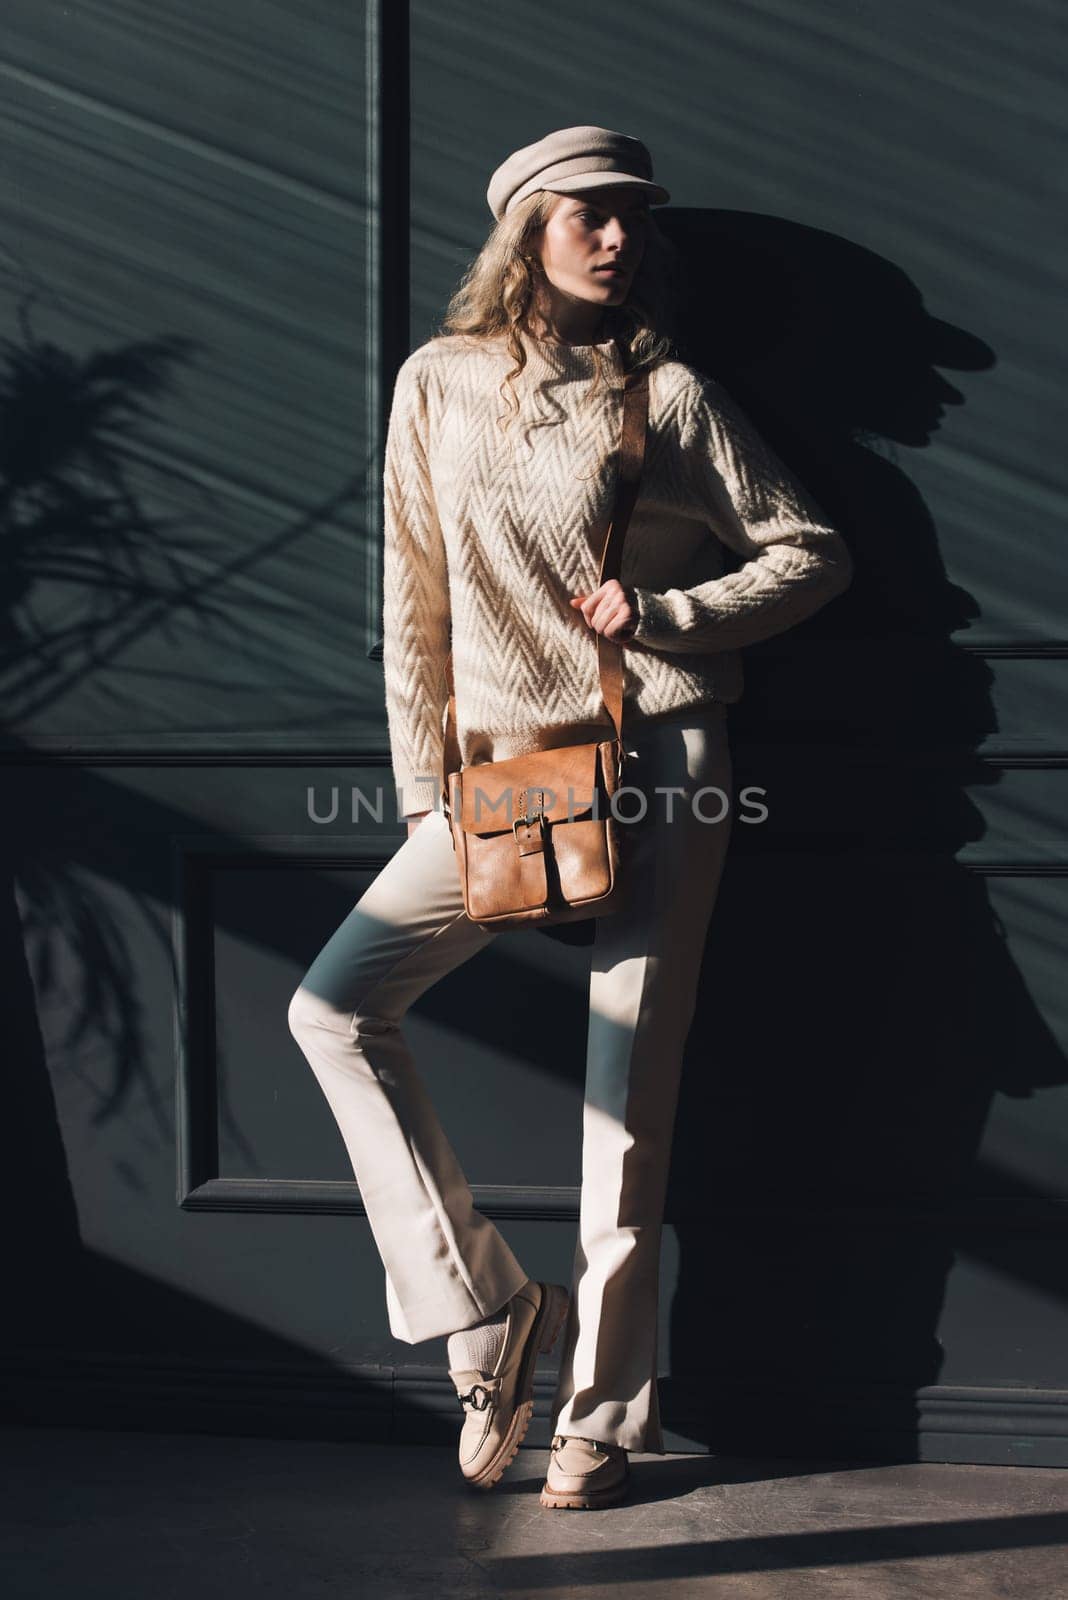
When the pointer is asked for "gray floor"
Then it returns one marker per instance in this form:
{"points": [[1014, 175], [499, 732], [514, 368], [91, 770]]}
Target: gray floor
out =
{"points": [[131, 1516]]}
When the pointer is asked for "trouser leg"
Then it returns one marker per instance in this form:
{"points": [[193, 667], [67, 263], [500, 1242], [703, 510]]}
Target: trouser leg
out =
{"points": [[645, 968], [446, 1264]]}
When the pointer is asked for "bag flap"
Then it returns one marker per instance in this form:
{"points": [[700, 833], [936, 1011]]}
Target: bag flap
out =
{"points": [[561, 783]]}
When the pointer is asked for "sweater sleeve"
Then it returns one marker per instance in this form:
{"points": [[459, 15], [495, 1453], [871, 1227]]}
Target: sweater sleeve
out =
{"points": [[796, 560], [415, 601]]}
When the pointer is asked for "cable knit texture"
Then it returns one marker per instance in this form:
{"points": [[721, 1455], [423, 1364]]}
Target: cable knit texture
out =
{"points": [[490, 532]]}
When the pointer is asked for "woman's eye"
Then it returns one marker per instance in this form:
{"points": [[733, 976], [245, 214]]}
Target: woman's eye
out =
{"points": [[640, 217]]}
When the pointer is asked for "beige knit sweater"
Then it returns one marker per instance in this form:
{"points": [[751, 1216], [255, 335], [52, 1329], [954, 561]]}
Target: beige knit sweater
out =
{"points": [[488, 536]]}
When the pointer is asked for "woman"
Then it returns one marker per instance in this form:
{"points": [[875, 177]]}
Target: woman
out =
{"points": [[490, 548]]}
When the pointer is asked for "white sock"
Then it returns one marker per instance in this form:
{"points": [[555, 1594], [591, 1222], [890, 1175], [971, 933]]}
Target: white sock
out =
{"points": [[476, 1349]]}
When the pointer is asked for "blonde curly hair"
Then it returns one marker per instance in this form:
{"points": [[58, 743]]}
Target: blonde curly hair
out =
{"points": [[497, 294]]}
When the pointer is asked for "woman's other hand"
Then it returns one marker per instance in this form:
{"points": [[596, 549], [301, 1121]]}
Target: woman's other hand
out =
{"points": [[609, 610]]}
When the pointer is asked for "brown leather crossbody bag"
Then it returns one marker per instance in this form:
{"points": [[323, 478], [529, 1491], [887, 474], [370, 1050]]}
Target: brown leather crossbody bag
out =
{"points": [[535, 837]]}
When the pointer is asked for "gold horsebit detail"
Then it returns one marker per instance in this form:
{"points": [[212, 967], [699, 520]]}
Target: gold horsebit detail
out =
{"points": [[481, 1404]]}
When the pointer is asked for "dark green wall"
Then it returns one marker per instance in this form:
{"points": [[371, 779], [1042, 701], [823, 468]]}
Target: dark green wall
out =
{"points": [[205, 286]]}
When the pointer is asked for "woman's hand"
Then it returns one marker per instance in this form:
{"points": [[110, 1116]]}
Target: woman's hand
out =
{"points": [[609, 610]]}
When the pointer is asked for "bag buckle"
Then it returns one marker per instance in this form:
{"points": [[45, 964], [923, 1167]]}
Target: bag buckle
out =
{"points": [[531, 812]]}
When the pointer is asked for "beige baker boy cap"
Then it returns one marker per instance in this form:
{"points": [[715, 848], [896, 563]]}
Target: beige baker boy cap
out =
{"points": [[570, 159]]}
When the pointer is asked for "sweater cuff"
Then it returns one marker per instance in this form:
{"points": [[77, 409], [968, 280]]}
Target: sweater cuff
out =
{"points": [[657, 623], [416, 791]]}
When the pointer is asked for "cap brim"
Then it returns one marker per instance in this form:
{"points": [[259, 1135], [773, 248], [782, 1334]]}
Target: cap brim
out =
{"points": [[577, 181]]}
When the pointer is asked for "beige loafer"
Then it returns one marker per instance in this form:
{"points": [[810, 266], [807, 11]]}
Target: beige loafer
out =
{"points": [[584, 1473], [499, 1404]]}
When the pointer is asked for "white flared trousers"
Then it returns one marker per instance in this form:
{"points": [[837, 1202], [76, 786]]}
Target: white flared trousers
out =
{"points": [[446, 1264]]}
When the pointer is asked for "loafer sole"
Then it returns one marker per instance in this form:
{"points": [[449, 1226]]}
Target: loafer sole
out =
{"points": [[584, 1499], [543, 1334]]}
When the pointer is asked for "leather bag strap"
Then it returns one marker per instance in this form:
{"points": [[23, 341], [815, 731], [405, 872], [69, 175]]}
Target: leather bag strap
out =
{"points": [[631, 458]]}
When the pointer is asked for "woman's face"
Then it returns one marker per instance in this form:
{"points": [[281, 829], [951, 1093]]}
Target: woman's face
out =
{"points": [[589, 232]]}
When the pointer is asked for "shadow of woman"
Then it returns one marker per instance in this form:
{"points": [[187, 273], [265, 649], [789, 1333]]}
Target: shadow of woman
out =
{"points": [[860, 1004]]}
